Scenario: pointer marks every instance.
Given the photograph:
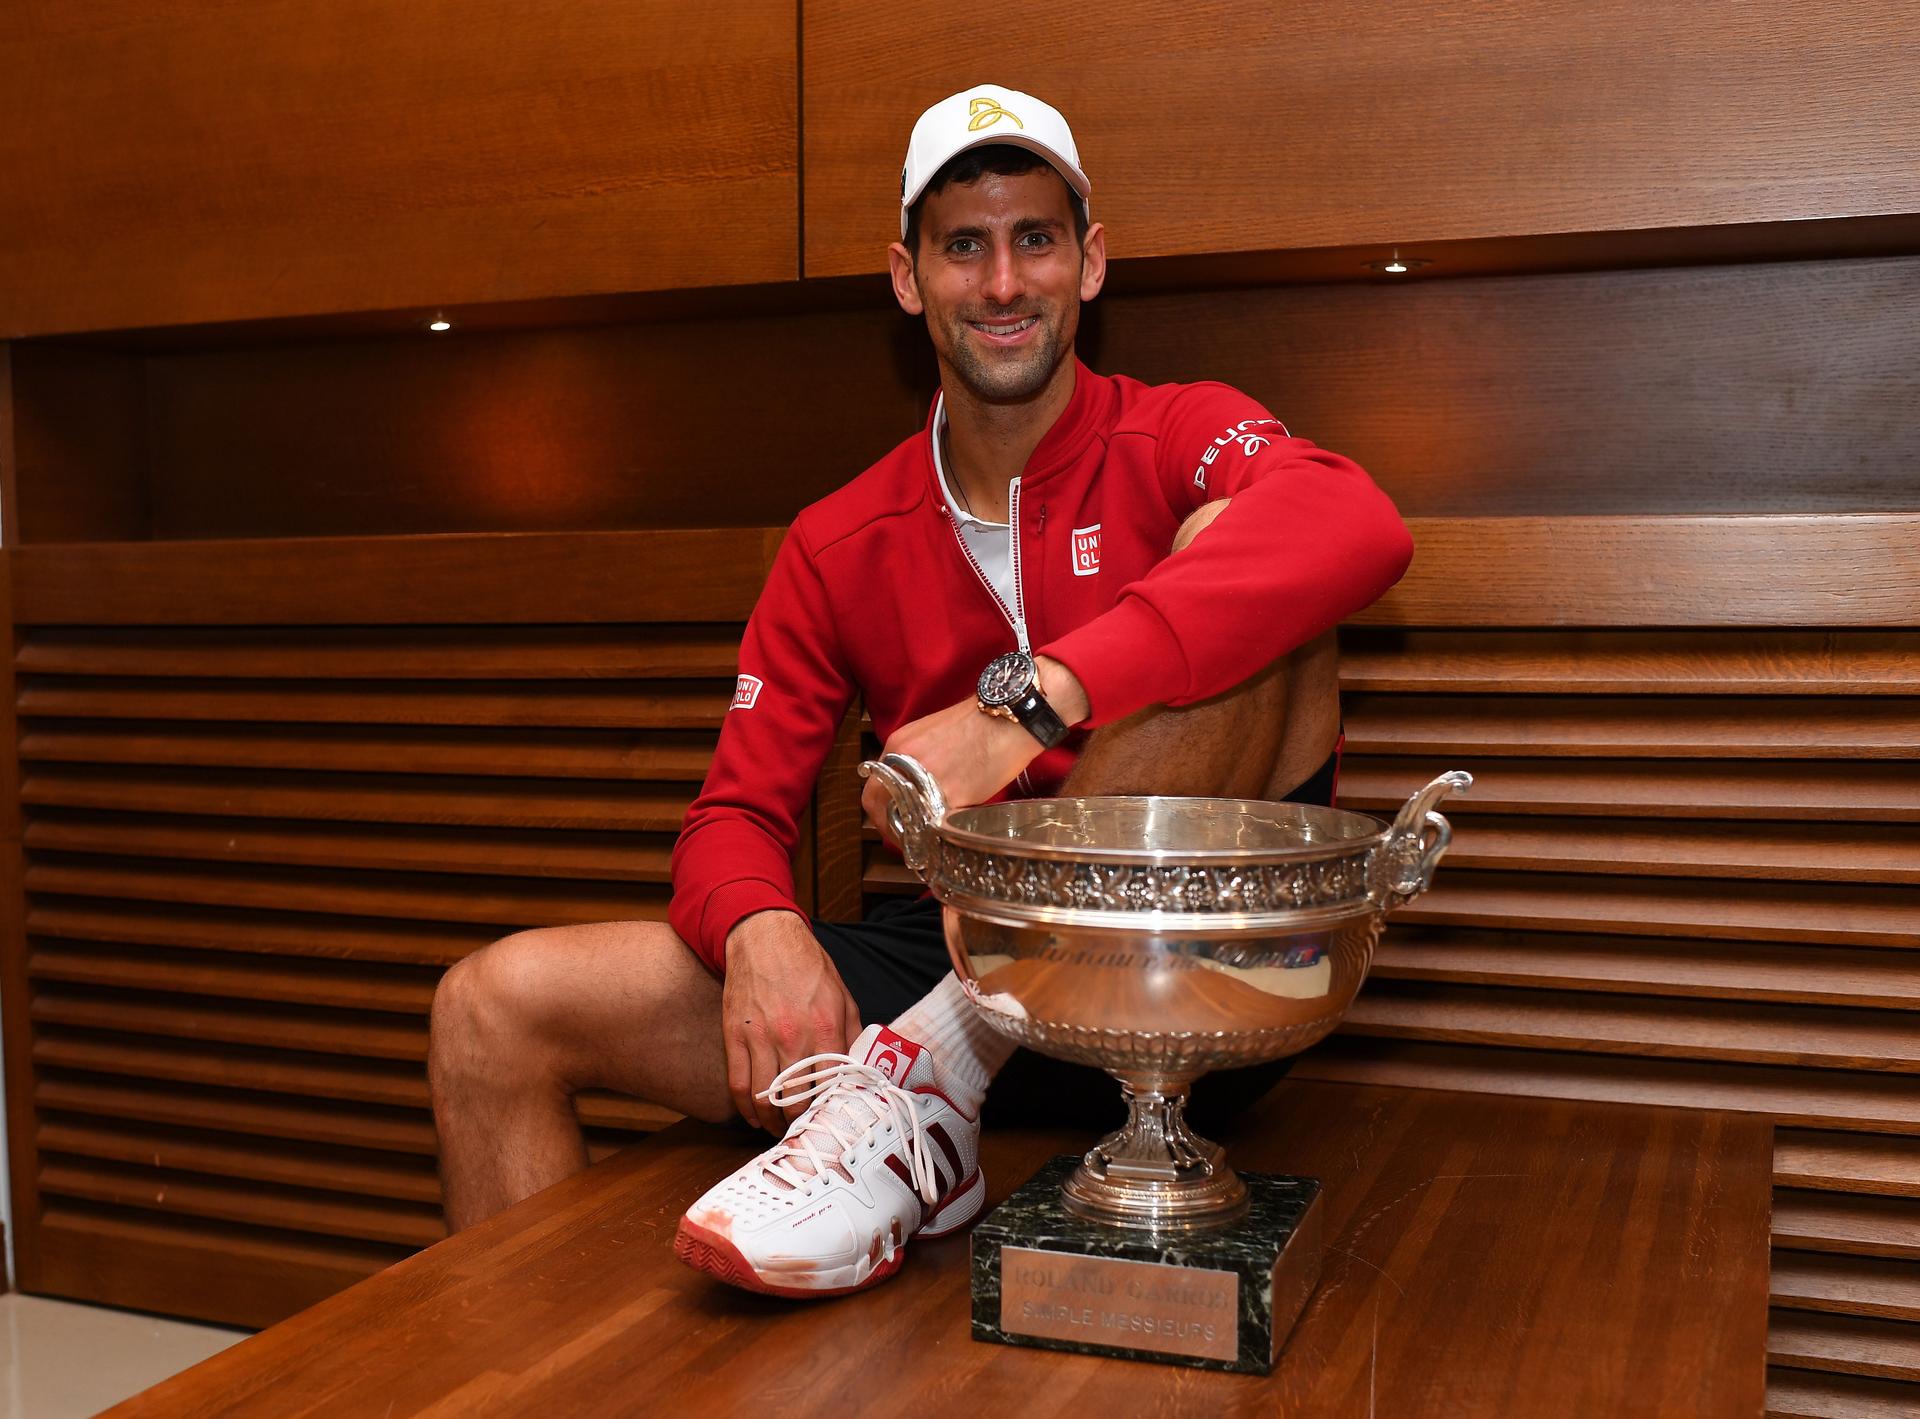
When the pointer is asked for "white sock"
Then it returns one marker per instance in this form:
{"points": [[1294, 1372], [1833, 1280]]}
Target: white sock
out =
{"points": [[968, 1050]]}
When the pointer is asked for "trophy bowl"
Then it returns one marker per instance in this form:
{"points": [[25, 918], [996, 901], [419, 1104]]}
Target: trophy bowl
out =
{"points": [[1158, 938]]}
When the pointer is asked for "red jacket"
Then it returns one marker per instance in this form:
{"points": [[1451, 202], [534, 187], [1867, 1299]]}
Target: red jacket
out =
{"points": [[873, 595]]}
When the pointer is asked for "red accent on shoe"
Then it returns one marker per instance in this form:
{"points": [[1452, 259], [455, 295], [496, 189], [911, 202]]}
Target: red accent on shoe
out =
{"points": [[944, 1142], [935, 1224], [714, 1254], [901, 1171], [944, 1186]]}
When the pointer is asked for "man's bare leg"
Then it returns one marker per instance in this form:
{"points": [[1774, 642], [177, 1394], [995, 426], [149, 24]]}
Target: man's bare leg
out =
{"points": [[1260, 739], [522, 1024]]}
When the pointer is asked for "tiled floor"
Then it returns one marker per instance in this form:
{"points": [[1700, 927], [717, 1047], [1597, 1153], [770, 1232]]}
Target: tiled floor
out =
{"points": [[60, 1360]]}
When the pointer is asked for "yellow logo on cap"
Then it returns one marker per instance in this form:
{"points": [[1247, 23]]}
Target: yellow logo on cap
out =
{"points": [[984, 113]]}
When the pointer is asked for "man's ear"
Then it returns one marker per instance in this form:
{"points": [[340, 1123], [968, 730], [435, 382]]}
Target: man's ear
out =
{"points": [[906, 284], [1093, 261]]}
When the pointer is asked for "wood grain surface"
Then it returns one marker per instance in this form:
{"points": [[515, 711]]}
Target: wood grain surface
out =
{"points": [[1838, 1162], [1805, 1394], [501, 579], [78, 456], [1212, 128], [1496, 1257], [1630, 662], [1461, 398], [689, 423], [1772, 388], [171, 164], [1772, 571], [1759, 571]]}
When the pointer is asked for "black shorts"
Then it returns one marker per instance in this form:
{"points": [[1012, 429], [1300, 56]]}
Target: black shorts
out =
{"points": [[899, 953]]}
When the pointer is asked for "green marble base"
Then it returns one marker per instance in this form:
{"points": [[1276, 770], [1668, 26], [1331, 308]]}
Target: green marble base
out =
{"points": [[1224, 1299]]}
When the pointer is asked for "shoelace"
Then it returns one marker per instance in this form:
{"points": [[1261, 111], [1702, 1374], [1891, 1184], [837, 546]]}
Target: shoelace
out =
{"points": [[831, 1079]]}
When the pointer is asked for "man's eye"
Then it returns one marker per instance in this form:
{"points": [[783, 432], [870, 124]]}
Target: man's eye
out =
{"points": [[962, 246], [1037, 239]]}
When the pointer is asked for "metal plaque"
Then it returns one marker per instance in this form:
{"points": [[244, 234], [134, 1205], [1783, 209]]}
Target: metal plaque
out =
{"points": [[1132, 1305]]}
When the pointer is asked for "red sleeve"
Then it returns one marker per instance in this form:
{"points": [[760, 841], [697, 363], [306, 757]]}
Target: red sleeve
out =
{"points": [[1308, 542], [734, 856]]}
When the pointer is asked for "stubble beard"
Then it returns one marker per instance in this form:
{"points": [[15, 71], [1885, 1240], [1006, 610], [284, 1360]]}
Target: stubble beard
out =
{"points": [[1010, 377]]}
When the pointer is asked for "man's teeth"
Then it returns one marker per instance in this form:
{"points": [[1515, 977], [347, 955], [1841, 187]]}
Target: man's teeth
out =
{"points": [[1012, 329]]}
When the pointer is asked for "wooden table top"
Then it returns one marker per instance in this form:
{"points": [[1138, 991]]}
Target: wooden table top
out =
{"points": [[1485, 1256]]}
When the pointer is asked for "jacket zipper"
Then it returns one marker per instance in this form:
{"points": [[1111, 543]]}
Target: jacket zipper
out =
{"points": [[1016, 616]]}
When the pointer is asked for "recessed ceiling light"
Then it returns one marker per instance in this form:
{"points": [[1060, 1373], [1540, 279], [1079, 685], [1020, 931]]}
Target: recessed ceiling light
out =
{"points": [[439, 322], [1398, 265]]}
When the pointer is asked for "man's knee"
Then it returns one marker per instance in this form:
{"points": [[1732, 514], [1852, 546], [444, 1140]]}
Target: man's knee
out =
{"points": [[488, 1007], [1197, 521]]}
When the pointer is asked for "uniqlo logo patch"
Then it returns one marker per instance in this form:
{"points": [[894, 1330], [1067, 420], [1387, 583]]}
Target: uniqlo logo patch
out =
{"points": [[893, 1055], [746, 692], [1086, 550]]}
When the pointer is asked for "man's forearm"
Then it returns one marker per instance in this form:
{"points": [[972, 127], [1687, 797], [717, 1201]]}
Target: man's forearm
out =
{"points": [[1062, 689], [775, 922]]}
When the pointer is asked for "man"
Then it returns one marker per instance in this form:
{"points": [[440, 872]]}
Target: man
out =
{"points": [[1058, 552]]}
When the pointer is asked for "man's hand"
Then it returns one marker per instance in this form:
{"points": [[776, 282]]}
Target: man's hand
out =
{"points": [[782, 1001], [972, 755]]}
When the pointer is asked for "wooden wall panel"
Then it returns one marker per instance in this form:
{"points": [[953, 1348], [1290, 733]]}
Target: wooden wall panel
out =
{"points": [[169, 164], [80, 445], [1755, 571], [736, 422], [1214, 128], [1781, 387], [1685, 875], [1729, 390], [534, 579], [16, 1031], [257, 828]]}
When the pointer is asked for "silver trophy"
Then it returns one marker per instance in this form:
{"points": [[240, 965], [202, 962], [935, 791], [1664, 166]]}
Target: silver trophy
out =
{"points": [[1158, 938]]}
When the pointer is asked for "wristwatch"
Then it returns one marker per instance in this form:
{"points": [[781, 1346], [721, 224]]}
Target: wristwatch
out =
{"points": [[1010, 688]]}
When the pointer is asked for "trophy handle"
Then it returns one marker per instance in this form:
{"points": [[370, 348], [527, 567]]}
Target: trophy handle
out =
{"points": [[918, 808], [1416, 842]]}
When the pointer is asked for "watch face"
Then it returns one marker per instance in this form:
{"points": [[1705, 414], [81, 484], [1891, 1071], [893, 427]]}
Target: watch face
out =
{"points": [[1006, 679]]}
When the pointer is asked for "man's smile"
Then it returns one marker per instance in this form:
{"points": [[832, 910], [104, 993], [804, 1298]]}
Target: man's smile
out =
{"points": [[1005, 332]]}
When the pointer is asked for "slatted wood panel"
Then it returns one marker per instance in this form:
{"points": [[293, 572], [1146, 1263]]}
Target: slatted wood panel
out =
{"points": [[1688, 871], [250, 850]]}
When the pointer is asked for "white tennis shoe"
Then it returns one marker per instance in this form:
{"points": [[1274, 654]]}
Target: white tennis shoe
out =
{"points": [[883, 1154]]}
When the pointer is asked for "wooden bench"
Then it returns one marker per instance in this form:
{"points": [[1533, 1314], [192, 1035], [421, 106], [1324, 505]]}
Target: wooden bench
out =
{"points": [[1496, 1257]]}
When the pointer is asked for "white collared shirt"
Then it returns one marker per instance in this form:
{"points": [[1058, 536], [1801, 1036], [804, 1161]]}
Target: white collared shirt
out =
{"points": [[990, 542]]}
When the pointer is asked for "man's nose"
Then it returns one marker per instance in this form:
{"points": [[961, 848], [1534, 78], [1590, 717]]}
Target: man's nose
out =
{"points": [[1004, 285]]}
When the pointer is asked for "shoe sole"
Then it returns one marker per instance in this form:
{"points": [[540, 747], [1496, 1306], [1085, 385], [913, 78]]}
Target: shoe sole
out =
{"points": [[706, 1250], [712, 1253]]}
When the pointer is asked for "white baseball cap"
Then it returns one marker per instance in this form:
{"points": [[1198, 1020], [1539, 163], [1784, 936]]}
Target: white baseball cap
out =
{"points": [[986, 114]]}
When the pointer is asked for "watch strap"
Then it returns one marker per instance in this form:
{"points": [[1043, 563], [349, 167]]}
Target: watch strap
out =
{"points": [[1038, 718]]}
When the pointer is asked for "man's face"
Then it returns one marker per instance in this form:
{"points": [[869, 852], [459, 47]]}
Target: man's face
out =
{"points": [[1000, 277]]}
